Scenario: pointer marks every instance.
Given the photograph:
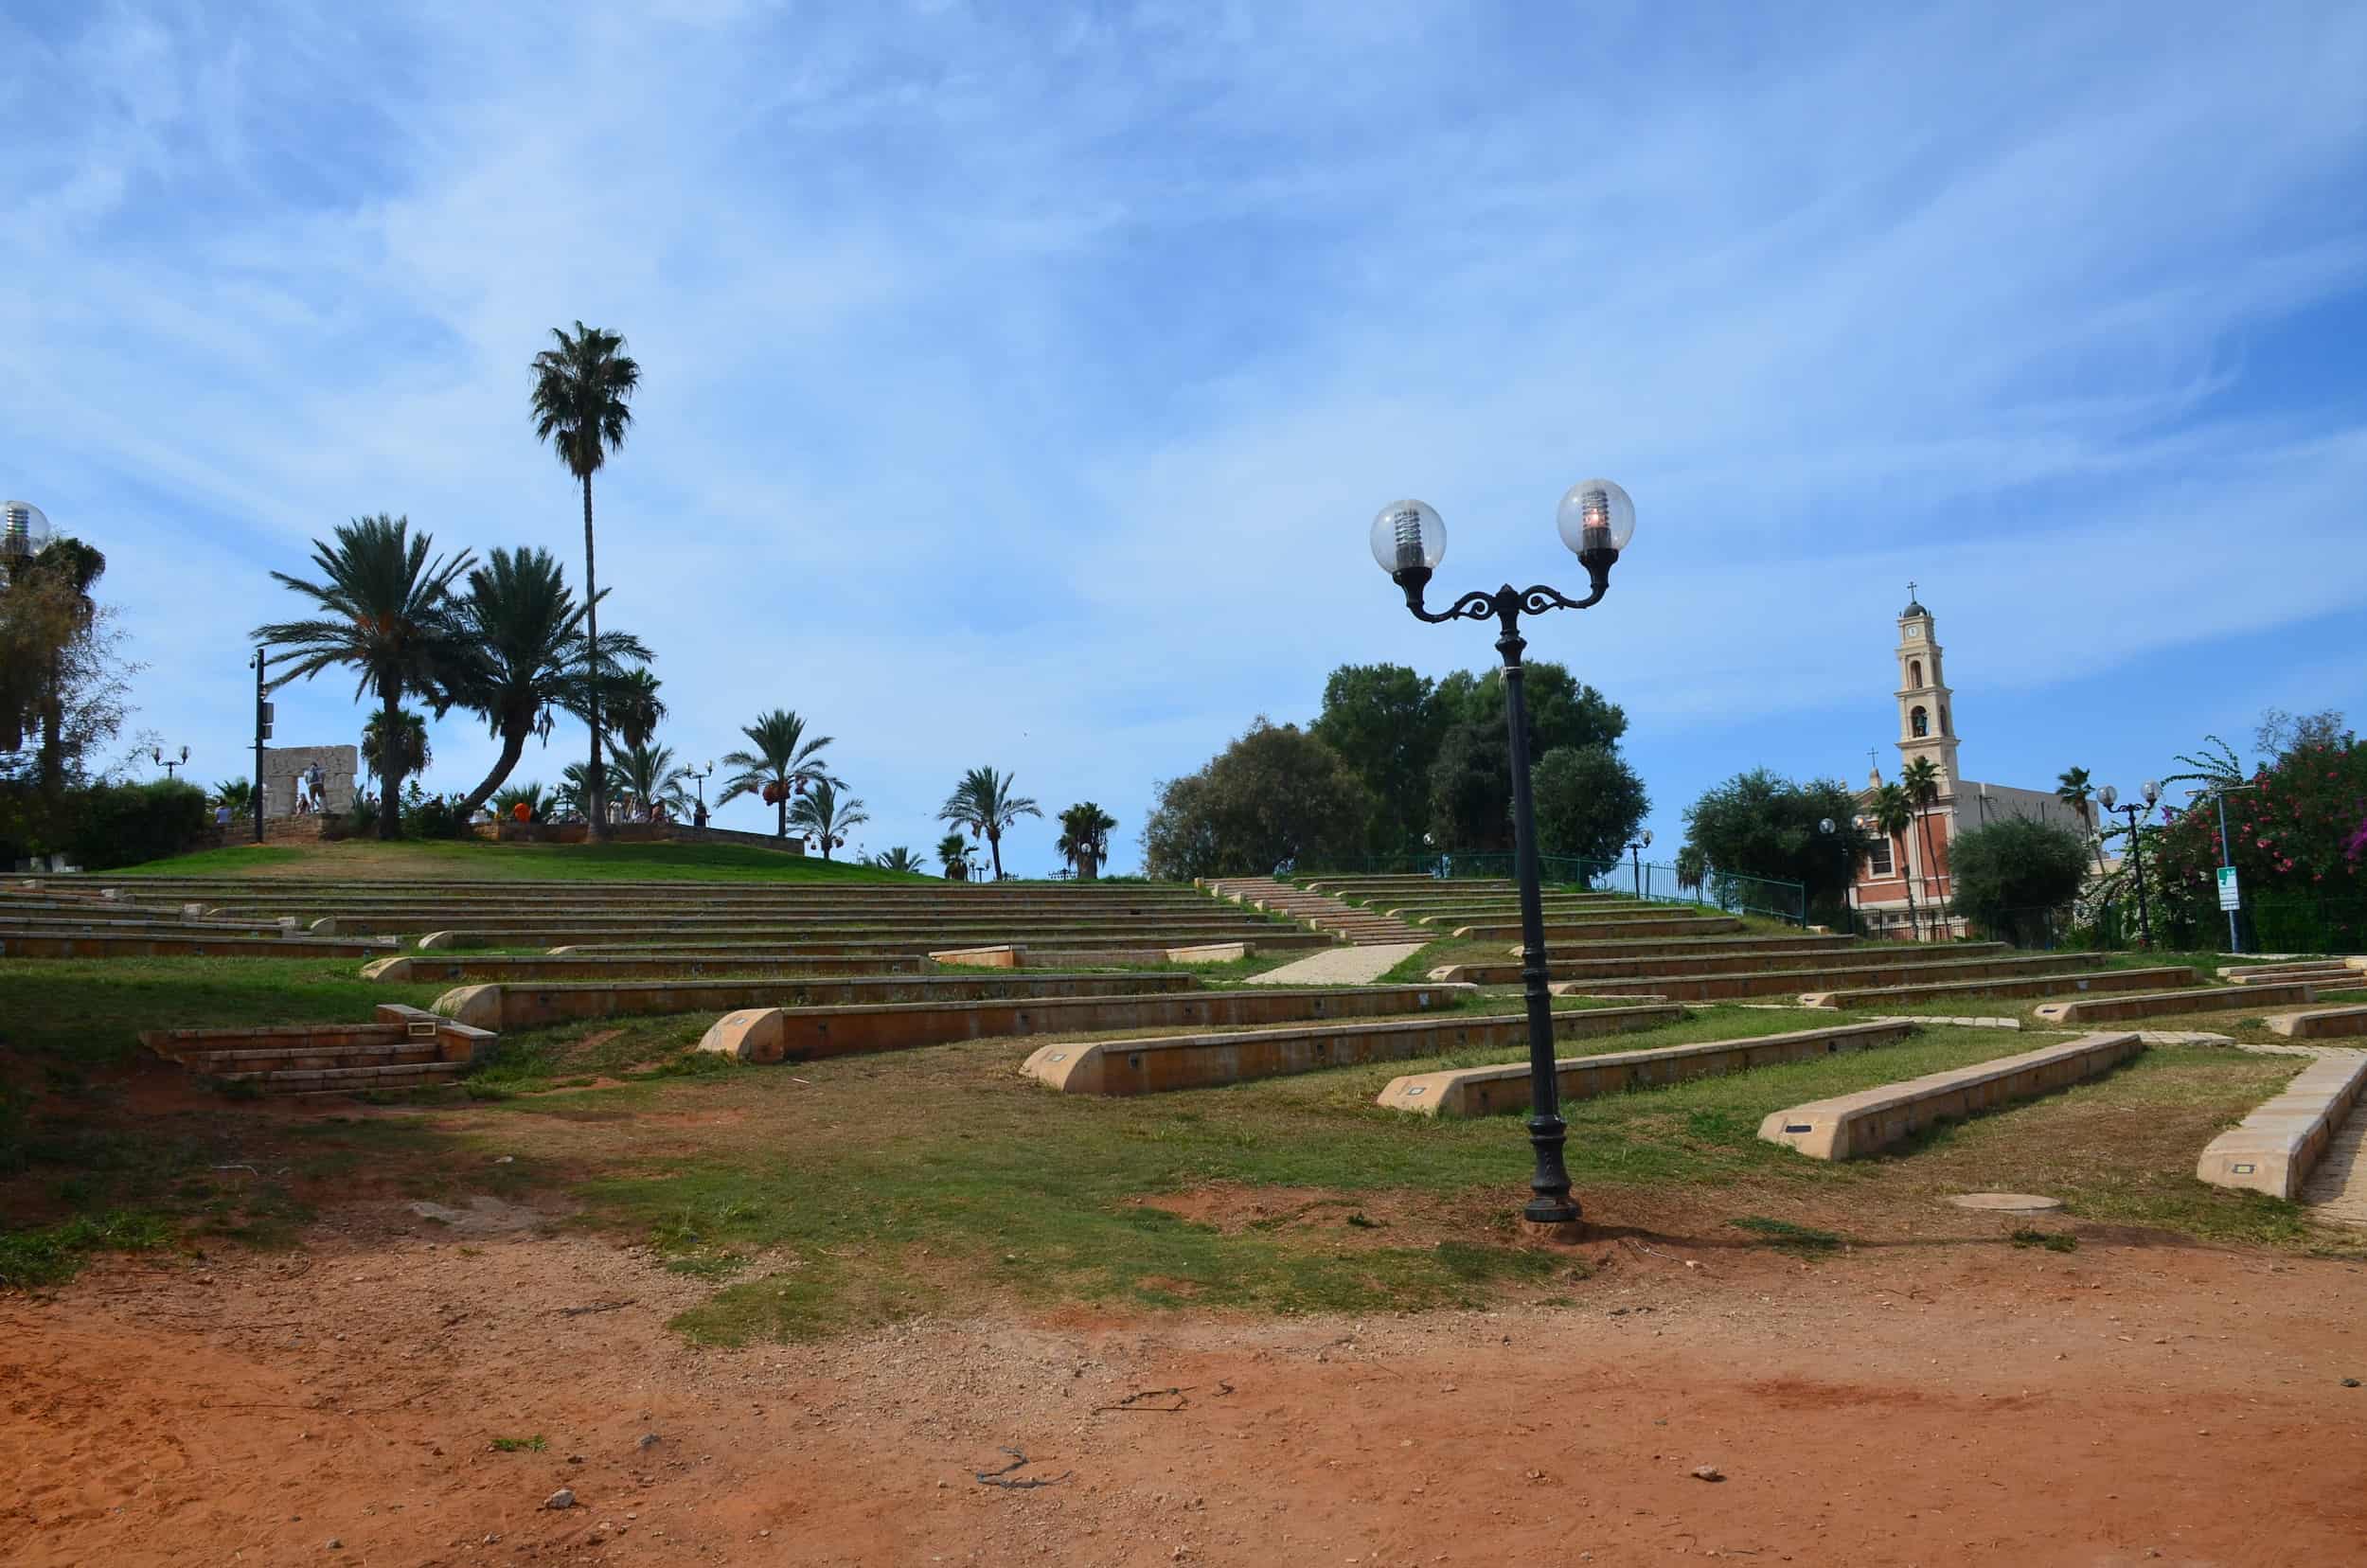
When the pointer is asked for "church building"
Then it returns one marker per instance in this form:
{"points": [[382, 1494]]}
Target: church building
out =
{"points": [[1903, 888]]}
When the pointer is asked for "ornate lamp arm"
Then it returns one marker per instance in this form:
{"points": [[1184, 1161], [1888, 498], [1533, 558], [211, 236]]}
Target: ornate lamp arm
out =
{"points": [[1507, 603]]}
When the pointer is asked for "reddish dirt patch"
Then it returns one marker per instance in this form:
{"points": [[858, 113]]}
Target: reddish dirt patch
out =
{"points": [[1964, 1401]]}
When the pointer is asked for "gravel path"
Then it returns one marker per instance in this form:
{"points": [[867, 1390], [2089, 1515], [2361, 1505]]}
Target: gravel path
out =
{"points": [[1347, 966]]}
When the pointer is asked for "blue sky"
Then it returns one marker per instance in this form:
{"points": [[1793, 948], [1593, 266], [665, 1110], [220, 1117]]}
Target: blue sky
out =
{"points": [[1020, 381]]}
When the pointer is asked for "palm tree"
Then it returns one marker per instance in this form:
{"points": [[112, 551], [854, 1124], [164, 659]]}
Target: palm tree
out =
{"points": [[237, 793], [629, 696], [646, 775], [1893, 813], [2073, 789], [581, 391], [506, 800], [822, 813], [897, 859], [982, 803], [412, 732], [389, 614], [1921, 778], [782, 757], [954, 854], [530, 653], [1085, 838], [574, 790]]}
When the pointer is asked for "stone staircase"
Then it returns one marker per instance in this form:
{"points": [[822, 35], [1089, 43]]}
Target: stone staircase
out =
{"points": [[1348, 922], [403, 1048]]}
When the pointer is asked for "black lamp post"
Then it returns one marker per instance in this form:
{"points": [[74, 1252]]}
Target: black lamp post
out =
{"points": [[2110, 797], [168, 763], [698, 777], [1595, 519], [1635, 859]]}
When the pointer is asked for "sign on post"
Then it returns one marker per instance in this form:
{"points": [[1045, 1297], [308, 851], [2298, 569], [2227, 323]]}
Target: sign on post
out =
{"points": [[2231, 896]]}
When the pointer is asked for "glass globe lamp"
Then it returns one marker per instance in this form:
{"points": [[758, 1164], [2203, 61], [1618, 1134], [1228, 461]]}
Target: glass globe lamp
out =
{"points": [[1595, 516], [1407, 536]]}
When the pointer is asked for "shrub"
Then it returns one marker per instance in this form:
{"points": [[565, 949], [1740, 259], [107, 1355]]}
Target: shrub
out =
{"points": [[125, 823], [434, 817], [2013, 875]]}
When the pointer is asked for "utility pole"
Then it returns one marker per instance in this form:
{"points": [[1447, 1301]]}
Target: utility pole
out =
{"points": [[262, 732]]}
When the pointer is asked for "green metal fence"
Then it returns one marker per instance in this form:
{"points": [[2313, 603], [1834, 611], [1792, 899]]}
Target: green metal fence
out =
{"points": [[1730, 892]]}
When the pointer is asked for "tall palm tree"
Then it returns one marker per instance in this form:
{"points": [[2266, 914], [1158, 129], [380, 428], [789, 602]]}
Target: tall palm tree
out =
{"points": [[411, 740], [1921, 778], [826, 814], [530, 651], [646, 775], [629, 697], [953, 853], [581, 386], [1893, 813], [2073, 789], [1085, 838], [982, 803], [573, 791], [390, 615], [781, 756], [237, 793], [898, 858]]}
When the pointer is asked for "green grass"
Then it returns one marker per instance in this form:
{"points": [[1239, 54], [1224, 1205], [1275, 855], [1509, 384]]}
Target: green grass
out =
{"points": [[2056, 1241], [91, 1010], [51, 1254], [520, 1445], [482, 858], [1783, 1236]]}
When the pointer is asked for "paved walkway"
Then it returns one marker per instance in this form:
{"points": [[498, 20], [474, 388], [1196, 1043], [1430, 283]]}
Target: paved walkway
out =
{"points": [[1341, 966]]}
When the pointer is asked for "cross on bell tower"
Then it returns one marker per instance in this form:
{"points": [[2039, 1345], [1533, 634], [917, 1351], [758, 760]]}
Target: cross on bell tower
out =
{"points": [[1925, 727]]}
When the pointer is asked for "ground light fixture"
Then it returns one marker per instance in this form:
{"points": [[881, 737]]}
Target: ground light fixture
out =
{"points": [[1595, 521], [2109, 798]]}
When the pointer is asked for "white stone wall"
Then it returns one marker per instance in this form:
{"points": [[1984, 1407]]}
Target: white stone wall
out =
{"points": [[283, 766]]}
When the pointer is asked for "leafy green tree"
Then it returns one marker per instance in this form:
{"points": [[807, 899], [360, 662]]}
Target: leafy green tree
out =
{"points": [[983, 802], [531, 654], [1589, 802], [388, 612], [954, 854], [782, 754], [2012, 874], [1085, 839], [1470, 788], [1563, 710], [1760, 825], [827, 815], [1274, 797], [582, 387], [1386, 724], [46, 616]]}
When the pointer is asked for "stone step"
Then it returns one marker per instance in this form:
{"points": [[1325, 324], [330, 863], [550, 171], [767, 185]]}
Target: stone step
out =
{"points": [[2275, 1147], [244, 1062], [1847, 1126], [2128, 1004], [2322, 1024], [1834, 975], [1835, 950], [2042, 985], [1780, 950], [798, 1034], [352, 1080], [1485, 1091], [1567, 934], [1206, 1061], [498, 1006]]}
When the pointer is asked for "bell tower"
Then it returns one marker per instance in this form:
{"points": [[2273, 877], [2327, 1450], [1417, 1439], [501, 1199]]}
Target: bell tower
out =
{"points": [[1925, 725]]}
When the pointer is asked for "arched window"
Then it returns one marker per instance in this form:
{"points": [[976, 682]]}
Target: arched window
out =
{"points": [[1915, 675], [1944, 729], [1920, 722]]}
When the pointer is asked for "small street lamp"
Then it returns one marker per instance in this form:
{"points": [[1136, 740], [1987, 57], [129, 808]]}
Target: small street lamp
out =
{"points": [[2109, 798], [1635, 859], [698, 777], [1595, 519], [168, 763]]}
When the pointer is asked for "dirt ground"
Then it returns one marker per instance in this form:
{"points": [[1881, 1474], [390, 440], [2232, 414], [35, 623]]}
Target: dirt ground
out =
{"points": [[1945, 1401]]}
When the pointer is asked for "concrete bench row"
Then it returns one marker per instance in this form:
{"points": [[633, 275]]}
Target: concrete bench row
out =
{"points": [[2036, 985], [1851, 1125], [88, 944], [1486, 1091], [2322, 1024], [1561, 933], [721, 933], [1565, 965], [1834, 972], [518, 968], [2128, 1004], [1208, 1060], [2274, 1148], [778, 1034], [501, 1005]]}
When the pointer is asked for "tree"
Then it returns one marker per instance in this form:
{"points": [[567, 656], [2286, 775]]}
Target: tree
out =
{"points": [[530, 654], [781, 756], [1276, 797], [2014, 873], [1894, 815], [51, 615], [1470, 788], [237, 793], [415, 752], [629, 696], [954, 854], [1563, 710], [581, 389], [1589, 802], [2073, 789], [506, 800], [2280, 733], [574, 791], [827, 815], [983, 802], [646, 775], [1386, 724], [1085, 839], [898, 858], [388, 614], [1921, 778], [1758, 824]]}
